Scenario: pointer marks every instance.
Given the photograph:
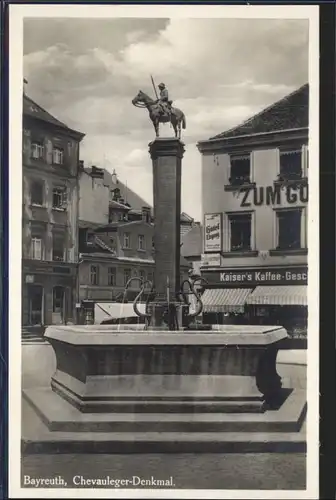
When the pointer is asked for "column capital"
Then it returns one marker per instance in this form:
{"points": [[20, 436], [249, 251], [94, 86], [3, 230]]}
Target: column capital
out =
{"points": [[166, 146]]}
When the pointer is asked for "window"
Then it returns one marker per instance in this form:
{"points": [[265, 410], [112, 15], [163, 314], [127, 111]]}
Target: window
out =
{"points": [[58, 249], [36, 248], [240, 169], [58, 299], [289, 229], [112, 276], [150, 277], [142, 275], [127, 243], [37, 150], [94, 275], [36, 193], [290, 165], [115, 194], [240, 231], [59, 197], [141, 242], [58, 156], [127, 275]]}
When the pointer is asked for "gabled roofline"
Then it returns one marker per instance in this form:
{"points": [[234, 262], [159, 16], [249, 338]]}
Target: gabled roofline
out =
{"points": [[59, 125], [260, 113], [251, 140]]}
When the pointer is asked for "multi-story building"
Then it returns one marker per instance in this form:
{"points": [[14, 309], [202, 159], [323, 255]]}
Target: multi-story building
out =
{"points": [[255, 206], [50, 159], [113, 253], [115, 239]]}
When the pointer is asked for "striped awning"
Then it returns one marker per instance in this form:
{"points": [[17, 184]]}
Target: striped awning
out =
{"points": [[294, 295], [224, 300]]}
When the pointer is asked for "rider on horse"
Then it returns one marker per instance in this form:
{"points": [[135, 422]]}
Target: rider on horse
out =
{"points": [[165, 103]]}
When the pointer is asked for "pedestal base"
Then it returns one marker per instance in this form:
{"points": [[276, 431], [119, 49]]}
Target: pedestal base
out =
{"points": [[51, 425]]}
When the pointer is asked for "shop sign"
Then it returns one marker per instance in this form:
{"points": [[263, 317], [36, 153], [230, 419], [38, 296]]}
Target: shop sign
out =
{"points": [[29, 278], [211, 260], [261, 276], [212, 232], [274, 195]]}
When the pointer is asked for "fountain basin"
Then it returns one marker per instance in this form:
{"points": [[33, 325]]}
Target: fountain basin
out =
{"points": [[100, 369], [134, 391]]}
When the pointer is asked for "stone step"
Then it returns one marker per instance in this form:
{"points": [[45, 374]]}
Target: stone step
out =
{"points": [[38, 439], [60, 416], [174, 406]]}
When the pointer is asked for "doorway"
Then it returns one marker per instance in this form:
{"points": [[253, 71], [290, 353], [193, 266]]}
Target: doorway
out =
{"points": [[35, 305], [59, 313]]}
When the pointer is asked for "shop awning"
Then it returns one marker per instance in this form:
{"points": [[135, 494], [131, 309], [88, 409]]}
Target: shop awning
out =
{"points": [[294, 295], [107, 310], [224, 300]]}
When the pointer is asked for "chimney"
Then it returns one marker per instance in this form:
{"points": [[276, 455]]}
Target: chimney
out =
{"points": [[145, 214], [97, 173], [114, 177]]}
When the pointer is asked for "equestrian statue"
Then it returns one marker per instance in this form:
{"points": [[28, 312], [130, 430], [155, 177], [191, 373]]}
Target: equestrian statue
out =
{"points": [[161, 109]]}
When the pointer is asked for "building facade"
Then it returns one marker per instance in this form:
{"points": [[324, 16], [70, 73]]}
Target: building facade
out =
{"points": [[50, 159], [255, 206], [115, 239]]}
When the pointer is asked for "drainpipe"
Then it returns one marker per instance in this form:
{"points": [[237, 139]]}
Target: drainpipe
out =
{"points": [[78, 303]]}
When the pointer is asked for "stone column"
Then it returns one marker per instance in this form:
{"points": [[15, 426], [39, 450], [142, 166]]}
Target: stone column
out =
{"points": [[166, 154]]}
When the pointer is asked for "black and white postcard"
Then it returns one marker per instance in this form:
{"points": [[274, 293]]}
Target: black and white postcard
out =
{"points": [[163, 274]]}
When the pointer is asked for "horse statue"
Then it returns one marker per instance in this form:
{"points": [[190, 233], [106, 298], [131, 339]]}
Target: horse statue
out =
{"points": [[176, 117]]}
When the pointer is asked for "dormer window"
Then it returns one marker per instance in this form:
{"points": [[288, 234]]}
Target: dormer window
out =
{"points": [[240, 169], [115, 194]]}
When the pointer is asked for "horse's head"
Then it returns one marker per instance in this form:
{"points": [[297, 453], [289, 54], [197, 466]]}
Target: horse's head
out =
{"points": [[141, 99]]}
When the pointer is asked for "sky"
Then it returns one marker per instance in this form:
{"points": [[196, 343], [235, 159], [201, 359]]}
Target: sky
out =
{"points": [[218, 71]]}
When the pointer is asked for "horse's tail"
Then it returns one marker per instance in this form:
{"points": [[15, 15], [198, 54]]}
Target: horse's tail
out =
{"points": [[184, 123]]}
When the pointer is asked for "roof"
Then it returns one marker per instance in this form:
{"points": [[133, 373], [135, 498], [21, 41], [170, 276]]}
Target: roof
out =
{"points": [[34, 110], [115, 225], [290, 112], [186, 218], [132, 198], [117, 205], [83, 224], [192, 242]]}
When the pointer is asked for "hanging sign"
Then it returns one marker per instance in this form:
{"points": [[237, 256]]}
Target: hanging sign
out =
{"points": [[213, 232]]}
